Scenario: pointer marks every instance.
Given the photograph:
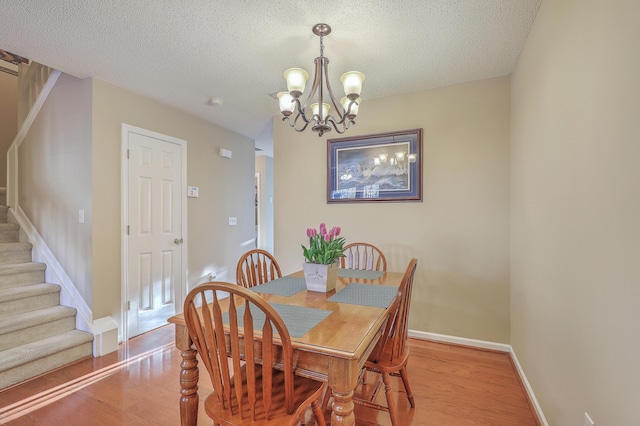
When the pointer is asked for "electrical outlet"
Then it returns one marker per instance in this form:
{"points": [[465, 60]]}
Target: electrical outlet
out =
{"points": [[233, 220], [587, 420]]}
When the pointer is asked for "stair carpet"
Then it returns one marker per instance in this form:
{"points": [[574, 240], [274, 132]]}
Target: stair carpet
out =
{"points": [[37, 334]]}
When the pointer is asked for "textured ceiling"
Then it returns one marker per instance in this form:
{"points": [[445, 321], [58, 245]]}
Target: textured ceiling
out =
{"points": [[184, 52]]}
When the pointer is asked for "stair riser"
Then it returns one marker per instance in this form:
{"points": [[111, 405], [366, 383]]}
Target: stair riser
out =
{"points": [[28, 304], [3, 214], [9, 236], [15, 256], [41, 331], [23, 278], [42, 365]]}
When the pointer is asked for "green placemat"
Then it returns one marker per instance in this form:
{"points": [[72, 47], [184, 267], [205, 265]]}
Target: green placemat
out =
{"points": [[285, 286], [356, 273], [378, 296], [298, 319]]}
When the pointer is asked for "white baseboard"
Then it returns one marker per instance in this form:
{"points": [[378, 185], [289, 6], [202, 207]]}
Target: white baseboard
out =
{"points": [[527, 386], [502, 347], [483, 344]]}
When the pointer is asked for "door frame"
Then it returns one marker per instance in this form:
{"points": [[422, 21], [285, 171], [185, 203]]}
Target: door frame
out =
{"points": [[181, 288]]}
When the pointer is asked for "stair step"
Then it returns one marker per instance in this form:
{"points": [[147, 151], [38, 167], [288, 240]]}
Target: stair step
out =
{"points": [[3, 213], [9, 232], [26, 298], [15, 252], [18, 274], [21, 329], [32, 359]]}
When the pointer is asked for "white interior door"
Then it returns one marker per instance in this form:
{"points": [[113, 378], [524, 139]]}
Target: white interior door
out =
{"points": [[154, 259]]}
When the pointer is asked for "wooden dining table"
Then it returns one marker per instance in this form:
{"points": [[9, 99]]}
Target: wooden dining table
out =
{"points": [[335, 349]]}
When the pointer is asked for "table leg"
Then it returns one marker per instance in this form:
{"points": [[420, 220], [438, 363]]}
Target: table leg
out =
{"points": [[342, 409], [343, 379], [189, 376], [189, 398]]}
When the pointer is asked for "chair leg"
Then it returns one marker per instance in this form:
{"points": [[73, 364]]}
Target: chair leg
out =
{"points": [[325, 399], [317, 411], [405, 381], [393, 412]]}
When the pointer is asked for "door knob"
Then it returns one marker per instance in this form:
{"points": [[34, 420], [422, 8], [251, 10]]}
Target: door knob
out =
{"points": [[178, 241]]}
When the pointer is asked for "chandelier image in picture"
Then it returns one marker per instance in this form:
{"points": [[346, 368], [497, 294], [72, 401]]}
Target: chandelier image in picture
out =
{"points": [[316, 108]]}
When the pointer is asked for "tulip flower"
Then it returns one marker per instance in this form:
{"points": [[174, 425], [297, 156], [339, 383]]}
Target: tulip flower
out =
{"points": [[324, 247]]}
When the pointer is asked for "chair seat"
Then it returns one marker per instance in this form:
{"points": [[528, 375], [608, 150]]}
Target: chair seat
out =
{"points": [[307, 390], [387, 364]]}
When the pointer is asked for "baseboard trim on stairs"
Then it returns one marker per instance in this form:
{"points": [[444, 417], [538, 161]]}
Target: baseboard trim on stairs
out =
{"points": [[483, 344], [55, 274]]}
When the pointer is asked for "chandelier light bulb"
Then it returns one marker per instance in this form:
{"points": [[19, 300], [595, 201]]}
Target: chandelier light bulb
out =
{"points": [[352, 82], [325, 110], [296, 80], [285, 100], [354, 107]]}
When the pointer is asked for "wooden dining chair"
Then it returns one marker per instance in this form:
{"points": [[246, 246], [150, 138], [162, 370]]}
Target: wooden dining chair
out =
{"points": [[389, 357], [363, 256], [253, 339], [257, 267]]}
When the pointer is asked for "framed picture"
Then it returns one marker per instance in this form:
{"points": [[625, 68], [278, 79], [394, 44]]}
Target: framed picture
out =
{"points": [[379, 167]]}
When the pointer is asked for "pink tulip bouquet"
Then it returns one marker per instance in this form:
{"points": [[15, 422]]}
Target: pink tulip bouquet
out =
{"points": [[325, 247]]}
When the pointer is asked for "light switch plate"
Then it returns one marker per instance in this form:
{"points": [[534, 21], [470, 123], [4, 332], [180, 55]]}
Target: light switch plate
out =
{"points": [[192, 191]]}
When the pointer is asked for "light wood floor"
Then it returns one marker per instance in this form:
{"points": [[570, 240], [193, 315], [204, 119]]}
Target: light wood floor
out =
{"points": [[138, 385]]}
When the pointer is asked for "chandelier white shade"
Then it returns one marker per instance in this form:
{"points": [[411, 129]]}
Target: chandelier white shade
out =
{"points": [[336, 115]]}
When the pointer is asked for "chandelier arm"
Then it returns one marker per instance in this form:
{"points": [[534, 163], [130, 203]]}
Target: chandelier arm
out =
{"points": [[336, 104], [301, 112], [345, 118], [335, 125], [293, 123], [317, 82]]}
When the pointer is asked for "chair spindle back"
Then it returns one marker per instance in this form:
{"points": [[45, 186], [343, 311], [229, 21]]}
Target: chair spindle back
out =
{"points": [[257, 267], [363, 256], [216, 337]]}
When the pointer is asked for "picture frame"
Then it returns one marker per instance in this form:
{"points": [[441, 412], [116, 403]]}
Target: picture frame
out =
{"points": [[375, 168]]}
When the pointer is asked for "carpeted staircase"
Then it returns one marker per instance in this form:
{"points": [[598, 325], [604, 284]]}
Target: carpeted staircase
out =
{"points": [[37, 334]]}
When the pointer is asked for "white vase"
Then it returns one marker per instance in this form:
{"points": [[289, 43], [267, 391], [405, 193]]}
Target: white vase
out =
{"points": [[321, 278]]}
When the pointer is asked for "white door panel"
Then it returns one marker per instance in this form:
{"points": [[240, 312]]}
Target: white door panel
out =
{"points": [[154, 261]]}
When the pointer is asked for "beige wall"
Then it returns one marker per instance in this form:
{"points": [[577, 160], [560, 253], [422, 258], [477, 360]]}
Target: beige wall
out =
{"points": [[264, 166], [225, 189], [8, 119], [576, 209], [54, 177], [459, 233]]}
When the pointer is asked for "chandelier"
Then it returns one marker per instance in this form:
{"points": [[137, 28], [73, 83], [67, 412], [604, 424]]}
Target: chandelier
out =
{"points": [[300, 115]]}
